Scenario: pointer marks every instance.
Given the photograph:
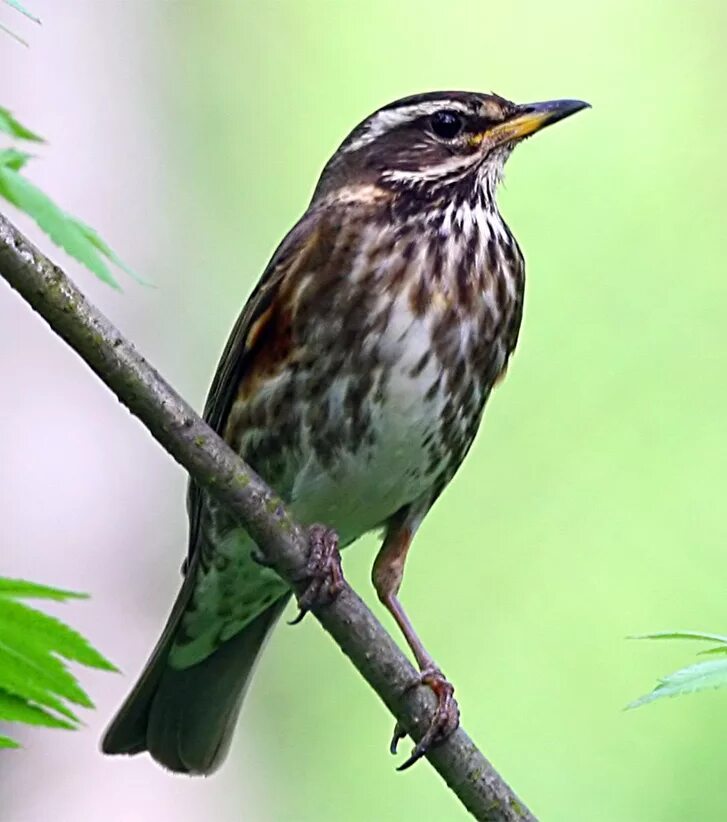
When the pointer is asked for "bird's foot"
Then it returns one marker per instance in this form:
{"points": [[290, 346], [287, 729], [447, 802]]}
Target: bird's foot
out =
{"points": [[444, 722], [323, 575]]}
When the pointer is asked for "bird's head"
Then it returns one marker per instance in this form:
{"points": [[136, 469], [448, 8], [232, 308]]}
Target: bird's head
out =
{"points": [[426, 143]]}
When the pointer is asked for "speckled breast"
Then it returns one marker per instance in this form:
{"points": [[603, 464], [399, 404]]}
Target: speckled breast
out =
{"points": [[395, 358]]}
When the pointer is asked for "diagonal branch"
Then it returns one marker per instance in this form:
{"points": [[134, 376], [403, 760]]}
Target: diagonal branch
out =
{"points": [[178, 429]]}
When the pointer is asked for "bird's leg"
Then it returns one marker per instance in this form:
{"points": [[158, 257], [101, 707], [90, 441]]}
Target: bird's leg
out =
{"points": [[322, 574], [387, 574]]}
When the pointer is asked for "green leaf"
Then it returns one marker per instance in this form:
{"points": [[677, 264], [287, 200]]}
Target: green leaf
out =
{"points": [[698, 677], [12, 34], [5, 742], [720, 649], [18, 7], [14, 709], [21, 589], [11, 126], [13, 159], [36, 687], [62, 229], [684, 635], [38, 678], [45, 633], [101, 245], [78, 239]]}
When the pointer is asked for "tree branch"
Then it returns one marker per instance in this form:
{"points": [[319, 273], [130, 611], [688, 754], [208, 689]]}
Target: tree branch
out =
{"points": [[174, 424]]}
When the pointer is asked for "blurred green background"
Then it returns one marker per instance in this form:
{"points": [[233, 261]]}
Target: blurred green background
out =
{"points": [[592, 505]]}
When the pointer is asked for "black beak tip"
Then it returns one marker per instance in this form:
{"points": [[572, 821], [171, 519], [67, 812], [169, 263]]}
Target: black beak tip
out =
{"points": [[564, 108], [579, 105], [552, 111]]}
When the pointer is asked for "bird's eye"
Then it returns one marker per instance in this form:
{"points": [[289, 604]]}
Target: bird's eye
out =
{"points": [[446, 124]]}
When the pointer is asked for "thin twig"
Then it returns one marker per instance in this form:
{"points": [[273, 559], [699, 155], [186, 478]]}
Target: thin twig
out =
{"points": [[215, 466]]}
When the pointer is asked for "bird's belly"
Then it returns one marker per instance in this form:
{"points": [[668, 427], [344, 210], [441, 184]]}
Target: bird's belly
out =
{"points": [[366, 486], [389, 456]]}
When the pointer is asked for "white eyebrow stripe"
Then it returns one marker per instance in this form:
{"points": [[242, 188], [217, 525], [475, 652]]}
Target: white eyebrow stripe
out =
{"points": [[389, 119]]}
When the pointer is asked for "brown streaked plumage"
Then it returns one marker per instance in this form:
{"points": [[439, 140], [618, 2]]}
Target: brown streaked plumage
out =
{"points": [[354, 383]]}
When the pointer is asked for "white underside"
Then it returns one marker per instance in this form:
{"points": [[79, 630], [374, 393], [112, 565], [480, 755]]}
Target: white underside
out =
{"points": [[365, 488], [361, 492]]}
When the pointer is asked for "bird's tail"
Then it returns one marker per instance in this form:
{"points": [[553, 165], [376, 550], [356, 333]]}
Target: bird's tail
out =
{"points": [[185, 717]]}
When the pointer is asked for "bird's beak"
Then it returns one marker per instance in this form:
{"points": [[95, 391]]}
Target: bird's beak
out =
{"points": [[531, 117]]}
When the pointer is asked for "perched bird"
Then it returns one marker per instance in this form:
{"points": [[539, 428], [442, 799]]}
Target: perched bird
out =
{"points": [[354, 383]]}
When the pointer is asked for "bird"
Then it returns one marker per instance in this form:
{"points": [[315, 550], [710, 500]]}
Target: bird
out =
{"points": [[353, 383]]}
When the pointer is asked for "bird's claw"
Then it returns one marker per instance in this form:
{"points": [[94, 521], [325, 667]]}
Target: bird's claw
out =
{"points": [[323, 575], [444, 722]]}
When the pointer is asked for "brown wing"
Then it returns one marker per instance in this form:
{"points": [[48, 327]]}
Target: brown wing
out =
{"points": [[260, 341]]}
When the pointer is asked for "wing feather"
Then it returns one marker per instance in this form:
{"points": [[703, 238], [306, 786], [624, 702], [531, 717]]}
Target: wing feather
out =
{"points": [[258, 342]]}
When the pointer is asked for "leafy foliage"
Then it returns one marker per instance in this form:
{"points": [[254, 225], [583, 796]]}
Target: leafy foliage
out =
{"points": [[9, 125], [15, 4], [74, 236], [19, 7], [78, 239], [36, 687], [700, 676]]}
